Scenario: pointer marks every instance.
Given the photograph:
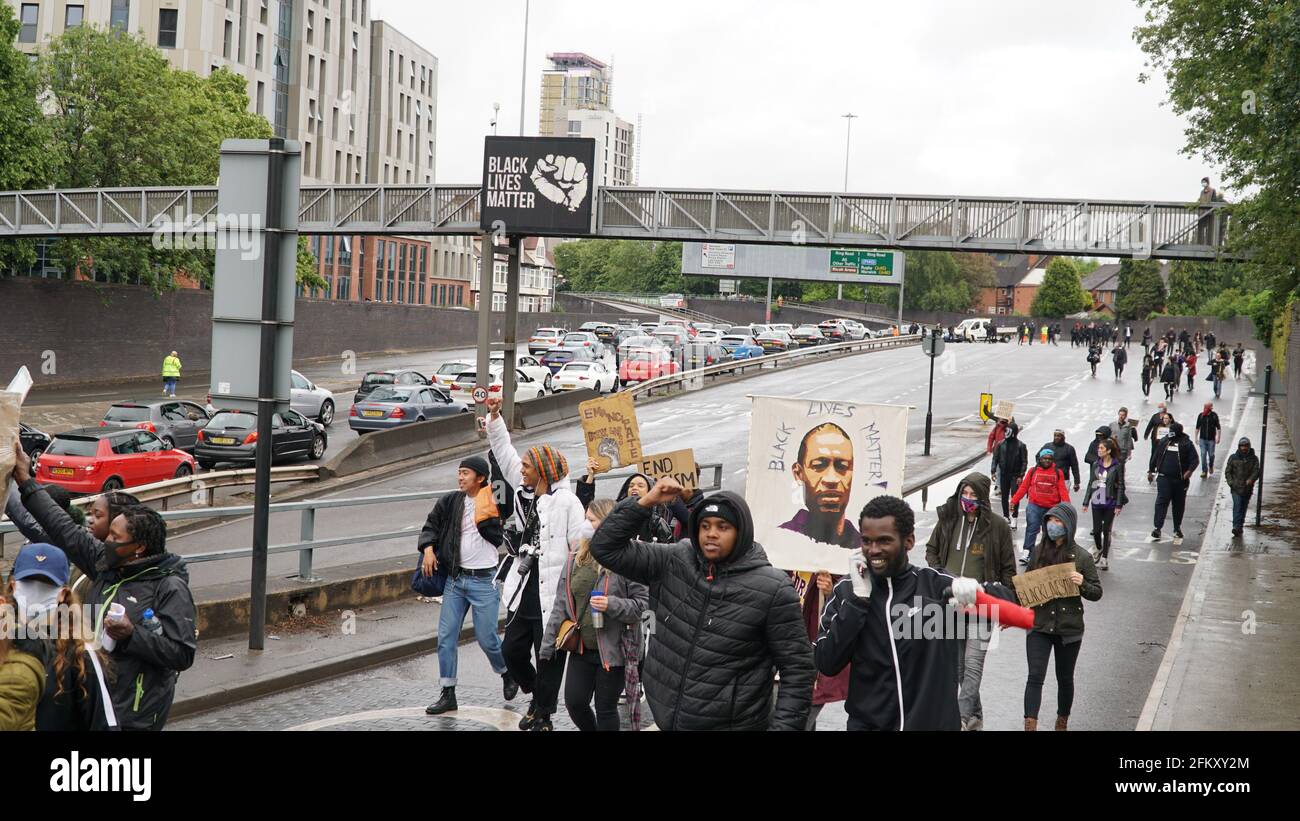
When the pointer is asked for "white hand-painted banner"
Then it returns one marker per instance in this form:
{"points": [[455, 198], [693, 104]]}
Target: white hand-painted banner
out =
{"points": [[813, 464]]}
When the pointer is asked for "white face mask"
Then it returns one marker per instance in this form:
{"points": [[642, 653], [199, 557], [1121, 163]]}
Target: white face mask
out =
{"points": [[587, 530], [32, 599]]}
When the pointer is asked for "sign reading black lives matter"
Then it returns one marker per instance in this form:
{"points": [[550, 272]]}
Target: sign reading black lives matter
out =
{"points": [[538, 186]]}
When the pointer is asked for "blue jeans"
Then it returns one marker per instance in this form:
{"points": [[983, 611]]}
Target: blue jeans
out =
{"points": [[1207, 455], [1240, 506], [169, 385], [463, 593], [1034, 516]]}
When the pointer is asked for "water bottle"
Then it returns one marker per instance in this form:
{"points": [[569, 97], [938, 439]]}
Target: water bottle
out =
{"points": [[597, 617], [150, 622]]}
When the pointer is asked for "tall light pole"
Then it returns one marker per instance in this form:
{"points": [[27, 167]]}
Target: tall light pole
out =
{"points": [[496, 115], [523, 80], [848, 143]]}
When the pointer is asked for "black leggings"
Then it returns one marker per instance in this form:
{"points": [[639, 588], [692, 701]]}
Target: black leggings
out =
{"points": [[521, 643], [1038, 646], [587, 677], [1103, 519]]}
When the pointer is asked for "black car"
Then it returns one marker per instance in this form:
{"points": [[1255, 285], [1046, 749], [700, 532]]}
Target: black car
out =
{"points": [[34, 442], [176, 421], [807, 336], [231, 436], [402, 377]]}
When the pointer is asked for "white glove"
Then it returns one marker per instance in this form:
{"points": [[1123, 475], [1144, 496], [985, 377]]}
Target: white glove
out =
{"points": [[963, 592], [859, 574]]}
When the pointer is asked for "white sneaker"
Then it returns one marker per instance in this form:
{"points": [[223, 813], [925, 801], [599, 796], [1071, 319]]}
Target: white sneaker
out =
{"points": [[1104, 564]]}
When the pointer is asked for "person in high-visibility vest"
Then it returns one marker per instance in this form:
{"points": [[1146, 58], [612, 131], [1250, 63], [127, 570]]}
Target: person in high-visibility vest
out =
{"points": [[171, 372]]}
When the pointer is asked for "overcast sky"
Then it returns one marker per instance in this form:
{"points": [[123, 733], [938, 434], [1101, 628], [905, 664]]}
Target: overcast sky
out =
{"points": [[1011, 98]]}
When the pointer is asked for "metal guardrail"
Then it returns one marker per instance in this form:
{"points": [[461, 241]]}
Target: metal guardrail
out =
{"points": [[774, 360]]}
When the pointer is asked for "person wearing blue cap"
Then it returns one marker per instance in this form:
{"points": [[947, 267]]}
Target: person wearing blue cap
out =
{"points": [[22, 657], [76, 689], [155, 639]]}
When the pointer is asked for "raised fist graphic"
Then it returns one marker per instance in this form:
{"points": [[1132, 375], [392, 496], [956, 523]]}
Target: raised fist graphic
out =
{"points": [[562, 180]]}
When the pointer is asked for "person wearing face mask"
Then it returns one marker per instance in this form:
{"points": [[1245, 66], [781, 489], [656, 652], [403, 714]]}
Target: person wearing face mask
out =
{"points": [[1045, 486], [970, 542], [552, 524], [901, 670], [131, 568], [1241, 473], [602, 610], [1010, 458], [725, 622], [76, 696], [1172, 464], [23, 659], [1058, 624]]}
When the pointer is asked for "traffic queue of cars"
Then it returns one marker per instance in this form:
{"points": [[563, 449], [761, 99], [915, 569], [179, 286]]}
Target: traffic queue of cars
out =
{"points": [[146, 441]]}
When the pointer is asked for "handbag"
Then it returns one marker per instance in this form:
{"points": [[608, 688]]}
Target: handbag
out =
{"points": [[428, 586], [569, 637]]}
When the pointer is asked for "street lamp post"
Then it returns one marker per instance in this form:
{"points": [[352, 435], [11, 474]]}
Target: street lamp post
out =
{"points": [[523, 79], [848, 143], [496, 115]]}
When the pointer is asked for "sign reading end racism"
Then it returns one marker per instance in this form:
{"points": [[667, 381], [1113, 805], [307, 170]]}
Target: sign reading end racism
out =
{"points": [[538, 186]]}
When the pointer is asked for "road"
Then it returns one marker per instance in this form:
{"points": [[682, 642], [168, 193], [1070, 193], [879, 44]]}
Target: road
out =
{"points": [[1126, 630]]}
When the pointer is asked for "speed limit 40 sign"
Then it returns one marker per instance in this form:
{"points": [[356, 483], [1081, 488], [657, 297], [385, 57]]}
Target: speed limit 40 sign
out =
{"points": [[480, 395]]}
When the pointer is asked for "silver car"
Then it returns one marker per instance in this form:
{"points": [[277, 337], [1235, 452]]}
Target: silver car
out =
{"points": [[311, 401]]}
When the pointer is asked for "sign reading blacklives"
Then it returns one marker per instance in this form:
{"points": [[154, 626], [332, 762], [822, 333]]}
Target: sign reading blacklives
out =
{"points": [[538, 186]]}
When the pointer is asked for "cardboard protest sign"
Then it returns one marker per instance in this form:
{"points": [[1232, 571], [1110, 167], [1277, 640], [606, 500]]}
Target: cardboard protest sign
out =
{"points": [[680, 465], [1041, 586], [610, 428], [1004, 409], [11, 405], [812, 466]]}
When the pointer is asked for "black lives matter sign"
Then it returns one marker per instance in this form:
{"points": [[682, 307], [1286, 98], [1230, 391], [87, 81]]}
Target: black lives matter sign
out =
{"points": [[538, 186]]}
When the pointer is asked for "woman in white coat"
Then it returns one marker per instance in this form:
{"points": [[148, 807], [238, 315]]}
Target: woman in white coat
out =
{"points": [[553, 525]]}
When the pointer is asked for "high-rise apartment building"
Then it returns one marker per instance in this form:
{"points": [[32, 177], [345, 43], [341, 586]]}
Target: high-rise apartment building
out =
{"points": [[577, 101]]}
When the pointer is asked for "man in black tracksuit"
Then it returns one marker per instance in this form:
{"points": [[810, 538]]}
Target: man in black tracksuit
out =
{"points": [[725, 621], [133, 569], [900, 678], [1064, 456], [1010, 461], [1172, 464]]}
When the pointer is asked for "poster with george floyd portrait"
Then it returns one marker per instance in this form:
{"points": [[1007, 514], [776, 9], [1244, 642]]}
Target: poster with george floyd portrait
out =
{"points": [[813, 464]]}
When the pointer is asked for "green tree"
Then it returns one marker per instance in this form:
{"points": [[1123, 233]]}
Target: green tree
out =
{"points": [[24, 162], [935, 283], [308, 270], [1191, 286], [1060, 294], [1141, 290], [1232, 68]]}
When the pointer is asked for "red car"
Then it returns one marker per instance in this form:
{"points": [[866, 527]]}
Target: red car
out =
{"points": [[644, 364], [95, 460]]}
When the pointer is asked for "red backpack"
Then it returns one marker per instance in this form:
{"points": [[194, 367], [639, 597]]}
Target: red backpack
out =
{"points": [[1046, 484]]}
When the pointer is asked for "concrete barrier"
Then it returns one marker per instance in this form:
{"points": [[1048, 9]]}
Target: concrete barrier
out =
{"points": [[558, 407], [407, 442]]}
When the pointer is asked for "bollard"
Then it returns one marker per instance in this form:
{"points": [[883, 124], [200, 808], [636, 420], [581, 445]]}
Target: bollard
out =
{"points": [[307, 533]]}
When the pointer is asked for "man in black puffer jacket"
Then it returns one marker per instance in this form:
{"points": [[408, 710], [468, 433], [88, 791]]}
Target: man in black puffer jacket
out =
{"points": [[725, 619]]}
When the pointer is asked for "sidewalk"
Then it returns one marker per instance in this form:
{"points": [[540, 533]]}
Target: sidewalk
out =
{"points": [[1233, 661]]}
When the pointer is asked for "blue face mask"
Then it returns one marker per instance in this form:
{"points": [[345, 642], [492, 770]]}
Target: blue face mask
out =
{"points": [[1055, 530]]}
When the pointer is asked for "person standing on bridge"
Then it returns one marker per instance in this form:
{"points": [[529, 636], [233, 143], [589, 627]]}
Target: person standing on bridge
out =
{"points": [[1045, 486], [171, 374], [1173, 462], [970, 541], [726, 620], [1058, 624], [462, 534], [1010, 458], [553, 530]]}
